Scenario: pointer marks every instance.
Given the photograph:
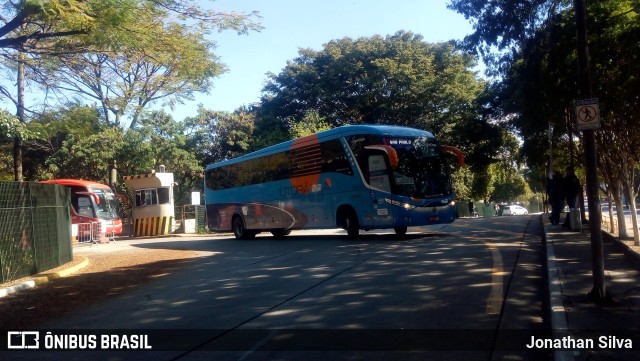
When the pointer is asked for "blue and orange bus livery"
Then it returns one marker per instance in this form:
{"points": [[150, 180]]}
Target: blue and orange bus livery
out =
{"points": [[352, 177]]}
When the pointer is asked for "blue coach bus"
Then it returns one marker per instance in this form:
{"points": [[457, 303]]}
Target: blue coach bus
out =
{"points": [[352, 177]]}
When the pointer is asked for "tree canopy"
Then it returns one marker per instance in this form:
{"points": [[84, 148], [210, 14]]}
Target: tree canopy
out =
{"points": [[123, 53], [539, 80], [399, 79]]}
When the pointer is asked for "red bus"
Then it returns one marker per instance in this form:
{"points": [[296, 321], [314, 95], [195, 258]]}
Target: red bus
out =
{"points": [[92, 203]]}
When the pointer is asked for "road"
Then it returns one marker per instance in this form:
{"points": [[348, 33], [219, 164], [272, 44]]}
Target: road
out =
{"points": [[470, 290]]}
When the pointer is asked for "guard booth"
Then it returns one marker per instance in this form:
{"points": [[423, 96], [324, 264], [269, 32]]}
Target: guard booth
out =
{"points": [[152, 211]]}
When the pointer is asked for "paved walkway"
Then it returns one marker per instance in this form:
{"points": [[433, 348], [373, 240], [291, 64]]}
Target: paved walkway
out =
{"points": [[574, 315]]}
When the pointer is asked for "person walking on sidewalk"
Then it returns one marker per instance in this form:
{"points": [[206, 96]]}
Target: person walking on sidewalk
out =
{"points": [[556, 197], [571, 189]]}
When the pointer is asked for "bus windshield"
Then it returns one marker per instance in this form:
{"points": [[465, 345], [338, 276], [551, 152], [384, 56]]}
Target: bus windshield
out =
{"points": [[108, 206], [421, 172]]}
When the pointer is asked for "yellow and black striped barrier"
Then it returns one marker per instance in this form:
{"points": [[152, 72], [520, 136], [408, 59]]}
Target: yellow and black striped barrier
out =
{"points": [[152, 226]]}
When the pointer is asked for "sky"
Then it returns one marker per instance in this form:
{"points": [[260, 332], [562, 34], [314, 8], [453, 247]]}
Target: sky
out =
{"points": [[290, 25]]}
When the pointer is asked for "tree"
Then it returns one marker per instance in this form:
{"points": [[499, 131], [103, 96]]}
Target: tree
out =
{"points": [[160, 140], [394, 80], [46, 27], [397, 79], [508, 185], [501, 27], [540, 75], [72, 123], [216, 136], [86, 157], [11, 128], [169, 61], [126, 83], [56, 28], [310, 124]]}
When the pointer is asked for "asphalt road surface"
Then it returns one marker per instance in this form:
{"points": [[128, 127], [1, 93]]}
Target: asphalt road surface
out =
{"points": [[471, 290]]}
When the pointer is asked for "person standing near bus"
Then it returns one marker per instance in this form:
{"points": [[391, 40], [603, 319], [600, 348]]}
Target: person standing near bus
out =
{"points": [[556, 196], [571, 188]]}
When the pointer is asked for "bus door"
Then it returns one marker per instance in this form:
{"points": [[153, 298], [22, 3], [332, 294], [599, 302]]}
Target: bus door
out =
{"points": [[380, 160]]}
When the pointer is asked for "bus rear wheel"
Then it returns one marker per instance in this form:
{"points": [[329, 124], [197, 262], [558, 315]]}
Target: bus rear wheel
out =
{"points": [[279, 233], [240, 231]]}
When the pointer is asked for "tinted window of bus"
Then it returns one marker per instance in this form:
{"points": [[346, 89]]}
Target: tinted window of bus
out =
{"points": [[334, 159], [326, 157], [277, 167]]}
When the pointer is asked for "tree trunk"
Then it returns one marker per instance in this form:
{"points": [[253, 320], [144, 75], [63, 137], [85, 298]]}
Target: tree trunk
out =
{"points": [[622, 224], [17, 143], [630, 194], [17, 159], [611, 227]]}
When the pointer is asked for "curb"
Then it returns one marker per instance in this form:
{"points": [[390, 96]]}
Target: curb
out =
{"points": [[557, 311], [44, 277]]}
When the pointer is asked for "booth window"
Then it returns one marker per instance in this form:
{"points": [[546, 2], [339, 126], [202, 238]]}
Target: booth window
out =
{"points": [[149, 197], [163, 195]]}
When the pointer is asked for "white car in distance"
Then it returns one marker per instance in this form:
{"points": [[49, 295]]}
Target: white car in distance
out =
{"points": [[514, 210]]}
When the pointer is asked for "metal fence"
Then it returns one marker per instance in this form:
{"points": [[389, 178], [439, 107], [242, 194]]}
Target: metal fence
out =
{"points": [[35, 228], [92, 232], [480, 209], [197, 213]]}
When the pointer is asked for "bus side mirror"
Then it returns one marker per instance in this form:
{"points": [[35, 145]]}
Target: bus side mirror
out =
{"points": [[458, 153]]}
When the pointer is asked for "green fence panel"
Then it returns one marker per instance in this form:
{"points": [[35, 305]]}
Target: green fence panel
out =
{"points": [[35, 228], [486, 210], [201, 217], [463, 209]]}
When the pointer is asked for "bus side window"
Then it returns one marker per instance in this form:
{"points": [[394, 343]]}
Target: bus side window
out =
{"points": [[84, 207], [256, 170], [214, 178], [334, 158], [277, 167], [378, 172], [235, 178]]}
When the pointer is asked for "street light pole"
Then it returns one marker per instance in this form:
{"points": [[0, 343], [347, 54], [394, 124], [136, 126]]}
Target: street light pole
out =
{"points": [[599, 291]]}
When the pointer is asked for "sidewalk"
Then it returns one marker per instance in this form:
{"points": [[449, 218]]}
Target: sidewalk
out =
{"points": [[570, 281]]}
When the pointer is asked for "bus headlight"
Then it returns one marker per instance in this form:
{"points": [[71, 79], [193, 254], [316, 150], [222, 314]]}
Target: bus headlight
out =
{"points": [[399, 204]]}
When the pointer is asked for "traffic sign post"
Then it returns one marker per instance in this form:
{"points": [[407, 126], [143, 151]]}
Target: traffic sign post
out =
{"points": [[588, 114]]}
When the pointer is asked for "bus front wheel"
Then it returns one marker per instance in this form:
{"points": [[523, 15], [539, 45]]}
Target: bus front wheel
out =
{"points": [[240, 231], [400, 231], [350, 223]]}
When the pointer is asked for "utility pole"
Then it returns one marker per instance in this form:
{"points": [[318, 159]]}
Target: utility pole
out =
{"points": [[599, 291], [571, 120]]}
